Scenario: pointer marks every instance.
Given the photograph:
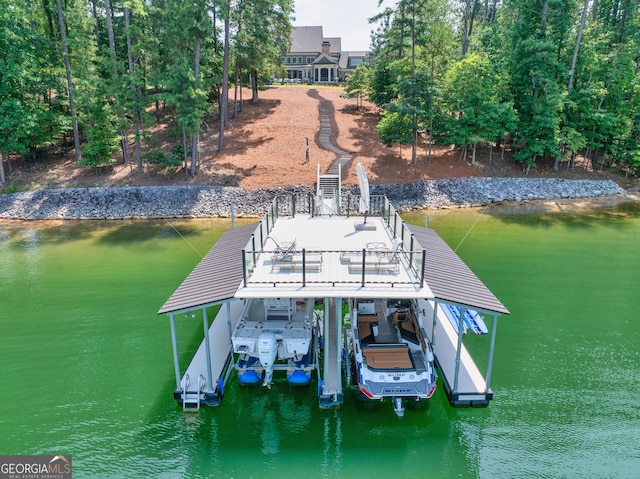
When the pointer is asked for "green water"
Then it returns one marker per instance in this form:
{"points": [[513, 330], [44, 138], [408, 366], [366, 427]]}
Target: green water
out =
{"points": [[86, 364]]}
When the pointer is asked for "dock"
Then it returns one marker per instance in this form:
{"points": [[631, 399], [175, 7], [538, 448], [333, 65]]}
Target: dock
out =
{"points": [[337, 256]]}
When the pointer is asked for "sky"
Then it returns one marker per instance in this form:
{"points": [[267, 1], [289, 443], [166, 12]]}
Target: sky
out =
{"points": [[339, 18]]}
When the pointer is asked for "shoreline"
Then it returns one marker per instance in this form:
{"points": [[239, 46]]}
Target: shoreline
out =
{"points": [[156, 202]]}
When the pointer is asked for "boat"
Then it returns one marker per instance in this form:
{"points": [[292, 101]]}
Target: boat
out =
{"points": [[393, 357], [274, 334]]}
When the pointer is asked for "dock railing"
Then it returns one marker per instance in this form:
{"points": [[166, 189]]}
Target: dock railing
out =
{"points": [[411, 254]]}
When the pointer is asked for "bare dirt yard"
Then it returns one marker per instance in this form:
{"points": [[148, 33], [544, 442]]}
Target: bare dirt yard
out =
{"points": [[265, 146]]}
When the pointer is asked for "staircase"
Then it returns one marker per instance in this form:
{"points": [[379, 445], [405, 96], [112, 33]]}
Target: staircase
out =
{"points": [[328, 193]]}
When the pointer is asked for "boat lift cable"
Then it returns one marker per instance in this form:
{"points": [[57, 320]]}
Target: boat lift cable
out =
{"points": [[185, 239], [471, 227]]}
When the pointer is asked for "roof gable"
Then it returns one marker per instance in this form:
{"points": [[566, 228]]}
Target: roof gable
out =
{"points": [[324, 59]]}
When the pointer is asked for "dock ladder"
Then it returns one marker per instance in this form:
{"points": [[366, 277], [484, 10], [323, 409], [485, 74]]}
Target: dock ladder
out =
{"points": [[191, 399]]}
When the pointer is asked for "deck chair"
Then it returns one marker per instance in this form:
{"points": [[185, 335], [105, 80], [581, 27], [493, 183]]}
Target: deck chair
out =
{"points": [[283, 249], [394, 253], [392, 259]]}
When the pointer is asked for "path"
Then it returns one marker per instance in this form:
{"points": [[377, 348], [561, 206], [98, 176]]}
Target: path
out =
{"points": [[327, 112]]}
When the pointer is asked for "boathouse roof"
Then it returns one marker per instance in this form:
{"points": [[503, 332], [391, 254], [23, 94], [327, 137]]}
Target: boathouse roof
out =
{"points": [[219, 275]]}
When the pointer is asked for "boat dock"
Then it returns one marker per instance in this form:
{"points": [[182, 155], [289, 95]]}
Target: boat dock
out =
{"points": [[335, 257]]}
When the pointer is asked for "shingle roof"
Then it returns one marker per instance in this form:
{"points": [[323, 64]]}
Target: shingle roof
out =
{"points": [[335, 42], [306, 40], [449, 278], [216, 277]]}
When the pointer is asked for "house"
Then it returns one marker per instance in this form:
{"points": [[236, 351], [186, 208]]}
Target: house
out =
{"points": [[315, 58]]}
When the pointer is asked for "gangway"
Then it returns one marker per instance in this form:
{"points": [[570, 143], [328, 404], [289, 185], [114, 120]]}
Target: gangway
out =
{"points": [[331, 393]]}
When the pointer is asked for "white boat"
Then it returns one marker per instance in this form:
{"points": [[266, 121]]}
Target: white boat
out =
{"points": [[393, 356], [274, 333]]}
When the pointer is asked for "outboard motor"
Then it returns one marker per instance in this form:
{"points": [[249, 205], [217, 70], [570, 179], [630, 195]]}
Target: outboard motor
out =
{"points": [[267, 352]]}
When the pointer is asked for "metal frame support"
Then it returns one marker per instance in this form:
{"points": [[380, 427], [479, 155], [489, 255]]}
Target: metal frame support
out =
{"points": [[460, 330], [174, 341], [436, 305], [339, 341], [205, 323], [492, 344], [327, 319]]}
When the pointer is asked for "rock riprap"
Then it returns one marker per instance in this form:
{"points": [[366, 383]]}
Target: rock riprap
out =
{"points": [[216, 201]]}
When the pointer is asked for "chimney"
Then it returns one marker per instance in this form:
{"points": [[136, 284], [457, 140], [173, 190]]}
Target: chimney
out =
{"points": [[326, 47]]}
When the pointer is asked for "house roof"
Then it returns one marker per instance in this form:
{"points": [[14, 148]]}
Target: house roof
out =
{"points": [[335, 42], [306, 39], [346, 57], [309, 40], [325, 59]]}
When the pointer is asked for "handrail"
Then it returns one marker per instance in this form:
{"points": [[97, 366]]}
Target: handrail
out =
{"points": [[290, 205]]}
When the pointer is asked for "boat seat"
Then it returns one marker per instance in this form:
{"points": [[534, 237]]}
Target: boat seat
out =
{"points": [[365, 329], [408, 331], [399, 316]]}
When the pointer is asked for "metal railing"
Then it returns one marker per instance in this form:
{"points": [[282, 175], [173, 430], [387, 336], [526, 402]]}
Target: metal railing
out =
{"points": [[412, 254]]}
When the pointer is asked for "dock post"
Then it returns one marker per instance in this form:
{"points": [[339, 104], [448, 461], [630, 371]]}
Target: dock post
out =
{"points": [[327, 335], [339, 342], [174, 342], [205, 322], [460, 330], [492, 344], [229, 322], [433, 325]]}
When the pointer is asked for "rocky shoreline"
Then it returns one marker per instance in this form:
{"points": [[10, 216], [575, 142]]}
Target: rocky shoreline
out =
{"points": [[217, 201]]}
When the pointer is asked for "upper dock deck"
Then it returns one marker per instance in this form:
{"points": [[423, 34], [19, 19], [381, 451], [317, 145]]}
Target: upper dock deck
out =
{"points": [[303, 255]]}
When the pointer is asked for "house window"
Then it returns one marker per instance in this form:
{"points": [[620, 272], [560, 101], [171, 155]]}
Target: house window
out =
{"points": [[309, 59], [287, 60], [300, 60], [294, 60]]}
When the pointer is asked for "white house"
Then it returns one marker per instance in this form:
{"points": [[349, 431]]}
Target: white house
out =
{"points": [[315, 58]]}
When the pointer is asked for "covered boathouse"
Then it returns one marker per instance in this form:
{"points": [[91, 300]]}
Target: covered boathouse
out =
{"points": [[241, 265]]}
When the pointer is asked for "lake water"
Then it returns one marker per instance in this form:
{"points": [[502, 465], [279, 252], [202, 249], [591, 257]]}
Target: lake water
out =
{"points": [[86, 364]]}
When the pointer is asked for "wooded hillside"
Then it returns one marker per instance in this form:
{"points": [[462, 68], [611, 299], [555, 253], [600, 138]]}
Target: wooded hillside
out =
{"points": [[552, 78]]}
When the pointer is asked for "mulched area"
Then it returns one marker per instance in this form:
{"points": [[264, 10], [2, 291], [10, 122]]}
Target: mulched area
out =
{"points": [[265, 146]]}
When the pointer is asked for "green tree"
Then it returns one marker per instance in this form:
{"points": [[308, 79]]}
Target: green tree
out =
{"points": [[475, 113], [358, 83]]}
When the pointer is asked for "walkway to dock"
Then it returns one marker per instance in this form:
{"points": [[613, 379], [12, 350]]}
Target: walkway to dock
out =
{"points": [[327, 113], [331, 393]]}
